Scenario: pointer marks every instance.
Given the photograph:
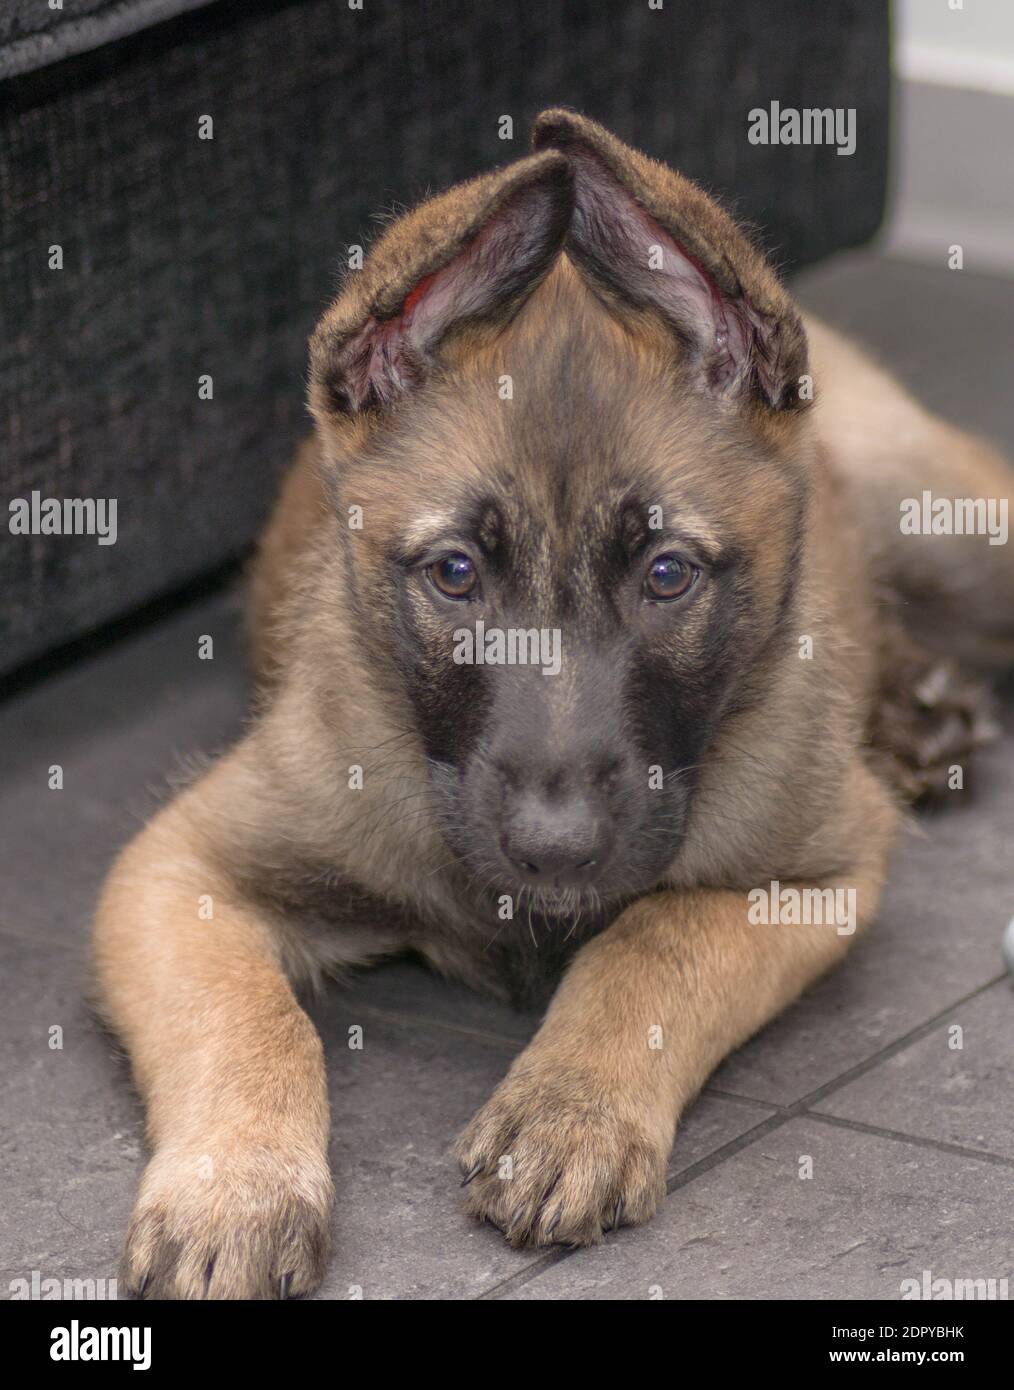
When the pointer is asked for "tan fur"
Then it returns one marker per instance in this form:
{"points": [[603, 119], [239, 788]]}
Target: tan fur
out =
{"points": [[230, 1068], [306, 878], [300, 511]]}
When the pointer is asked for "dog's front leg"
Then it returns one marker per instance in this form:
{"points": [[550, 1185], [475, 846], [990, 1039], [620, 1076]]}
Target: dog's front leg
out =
{"points": [[577, 1136], [237, 1198]]}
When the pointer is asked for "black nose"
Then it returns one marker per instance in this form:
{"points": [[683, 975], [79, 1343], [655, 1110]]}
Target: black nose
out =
{"points": [[557, 842]]}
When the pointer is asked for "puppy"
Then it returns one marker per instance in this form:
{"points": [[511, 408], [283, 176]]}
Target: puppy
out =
{"points": [[586, 615]]}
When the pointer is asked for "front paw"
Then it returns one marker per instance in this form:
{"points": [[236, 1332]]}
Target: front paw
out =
{"points": [[553, 1158], [229, 1223]]}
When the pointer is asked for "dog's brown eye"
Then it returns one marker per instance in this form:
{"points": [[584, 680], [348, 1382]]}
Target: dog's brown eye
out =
{"points": [[669, 577], [454, 575]]}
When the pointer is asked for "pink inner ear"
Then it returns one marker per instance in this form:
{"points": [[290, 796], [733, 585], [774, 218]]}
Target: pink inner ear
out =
{"points": [[386, 355], [374, 366], [378, 363], [683, 283], [617, 235], [413, 297], [389, 355]]}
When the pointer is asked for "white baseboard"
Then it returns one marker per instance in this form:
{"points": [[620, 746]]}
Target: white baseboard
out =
{"points": [[952, 176]]}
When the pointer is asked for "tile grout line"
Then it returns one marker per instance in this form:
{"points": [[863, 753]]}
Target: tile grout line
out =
{"points": [[782, 1115], [499, 1040], [738, 1099], [888, 1051], [892, 1049], [919, 1140]]}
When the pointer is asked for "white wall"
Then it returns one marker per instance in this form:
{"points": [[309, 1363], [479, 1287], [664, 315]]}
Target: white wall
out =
{"points": [[969, 46], [953, 139]]}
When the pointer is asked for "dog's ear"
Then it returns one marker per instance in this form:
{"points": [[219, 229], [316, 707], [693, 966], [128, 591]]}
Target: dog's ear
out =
{"points": [[652, 239], [474, 253]]}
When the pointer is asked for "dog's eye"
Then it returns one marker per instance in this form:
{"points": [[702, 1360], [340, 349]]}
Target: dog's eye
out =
{"points": [[454, 575], [669, 577]]}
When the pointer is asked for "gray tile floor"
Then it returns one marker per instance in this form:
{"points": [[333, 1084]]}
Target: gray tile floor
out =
{"points": [[911, 1139]]}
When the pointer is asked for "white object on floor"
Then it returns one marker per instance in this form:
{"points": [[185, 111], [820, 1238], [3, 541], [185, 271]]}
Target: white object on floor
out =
{"points": [[1008, 945]]}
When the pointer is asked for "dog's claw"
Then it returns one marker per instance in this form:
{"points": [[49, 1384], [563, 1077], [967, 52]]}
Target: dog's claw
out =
{"points": [[143, 1284], [472, 1173], [284, 1284], [617, 1213]]}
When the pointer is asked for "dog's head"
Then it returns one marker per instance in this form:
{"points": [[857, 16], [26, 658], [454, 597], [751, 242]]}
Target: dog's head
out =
{"points": [[563, 407]]}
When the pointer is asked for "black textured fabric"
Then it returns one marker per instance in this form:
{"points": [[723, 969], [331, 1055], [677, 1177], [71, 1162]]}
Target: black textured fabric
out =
{"points": [[32, 34], [185, 257]]}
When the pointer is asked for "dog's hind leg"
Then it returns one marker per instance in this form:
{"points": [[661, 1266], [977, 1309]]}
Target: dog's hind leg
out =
{"points": [[953, 592], [928, 718]]}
